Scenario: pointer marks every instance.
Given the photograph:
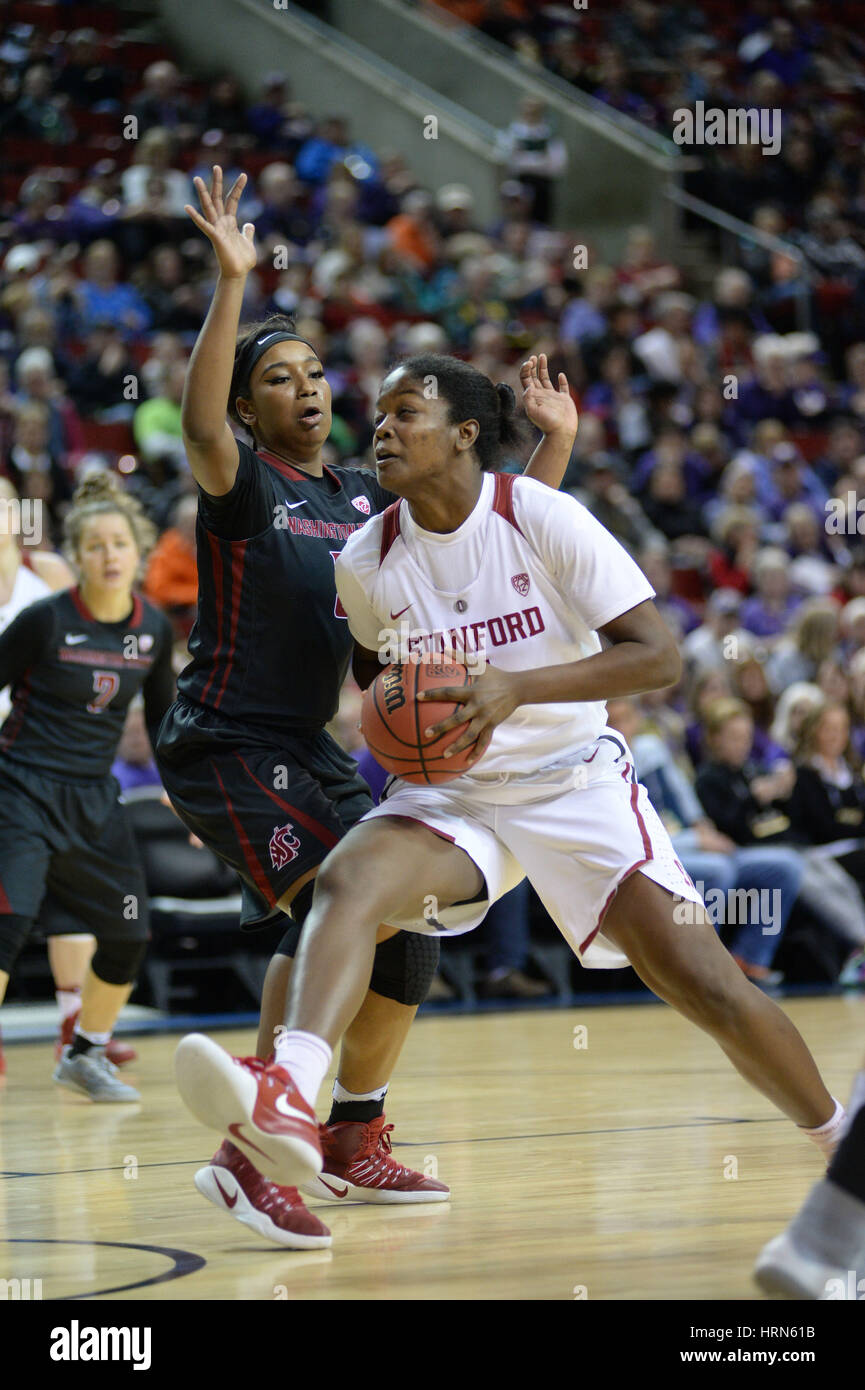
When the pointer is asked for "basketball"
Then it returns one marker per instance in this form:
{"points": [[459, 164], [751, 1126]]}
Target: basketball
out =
{"points": [[394, 721]]}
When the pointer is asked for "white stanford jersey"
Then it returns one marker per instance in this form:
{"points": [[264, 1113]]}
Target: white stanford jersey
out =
{"points": [[28, 587], [527, 579]]}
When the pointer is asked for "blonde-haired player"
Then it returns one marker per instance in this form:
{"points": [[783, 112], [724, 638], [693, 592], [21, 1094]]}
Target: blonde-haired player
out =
{"points": [[74, 661]]}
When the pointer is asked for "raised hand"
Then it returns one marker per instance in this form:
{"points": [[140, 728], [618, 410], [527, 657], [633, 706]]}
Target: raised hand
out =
{"points": [[234, 247], [548, 407]]}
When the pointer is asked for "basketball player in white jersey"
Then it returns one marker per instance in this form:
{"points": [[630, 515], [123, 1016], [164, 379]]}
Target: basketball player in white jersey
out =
{"points": [[27, 574], [485, 563]]}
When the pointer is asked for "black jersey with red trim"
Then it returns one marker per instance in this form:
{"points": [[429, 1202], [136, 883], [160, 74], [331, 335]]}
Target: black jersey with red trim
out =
{"points": [[73, 679], [271, 644]]}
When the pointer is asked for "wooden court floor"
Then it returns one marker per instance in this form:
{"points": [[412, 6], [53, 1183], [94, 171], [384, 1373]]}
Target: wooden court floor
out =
{"points": [[636, 1166]]}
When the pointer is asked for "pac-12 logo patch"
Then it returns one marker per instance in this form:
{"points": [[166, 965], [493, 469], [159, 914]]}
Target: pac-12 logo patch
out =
{"points": [[284, 846], [521, 583], [362, 504]]}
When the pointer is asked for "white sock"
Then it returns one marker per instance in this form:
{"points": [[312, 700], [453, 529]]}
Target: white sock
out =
{"points": [[68, 1001], [97, 1039], [307, 1057], [827, 1137], [342, 1095]]}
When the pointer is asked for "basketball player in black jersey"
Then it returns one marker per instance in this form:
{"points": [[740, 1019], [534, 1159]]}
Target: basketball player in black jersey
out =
{"points": [[243, 752], [74, 661]]}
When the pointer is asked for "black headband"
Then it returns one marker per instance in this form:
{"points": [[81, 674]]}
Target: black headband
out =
{"points": [[257, 347]]}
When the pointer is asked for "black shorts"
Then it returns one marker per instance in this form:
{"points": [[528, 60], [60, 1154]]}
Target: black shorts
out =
{"points": [[272, 806], [68, 857]]}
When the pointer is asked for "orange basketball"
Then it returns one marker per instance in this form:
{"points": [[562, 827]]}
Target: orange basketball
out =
{"points": [[394, 721]]}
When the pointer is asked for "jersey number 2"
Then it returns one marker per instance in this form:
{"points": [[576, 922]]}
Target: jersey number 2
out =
{"points": [[106, 686]]}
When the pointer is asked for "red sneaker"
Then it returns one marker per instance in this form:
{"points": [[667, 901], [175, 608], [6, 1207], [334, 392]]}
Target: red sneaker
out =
{"points": [[358, 1167], [258, 1105], [117, 1052], [231, 1183]]}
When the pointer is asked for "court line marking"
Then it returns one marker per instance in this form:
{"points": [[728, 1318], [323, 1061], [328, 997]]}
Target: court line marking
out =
{"points": [[704, 1122], [184, 1262], [701, 1122]]}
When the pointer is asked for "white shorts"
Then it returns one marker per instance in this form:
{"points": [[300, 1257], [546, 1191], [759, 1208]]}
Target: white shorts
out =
{"points": [[576, 830]]}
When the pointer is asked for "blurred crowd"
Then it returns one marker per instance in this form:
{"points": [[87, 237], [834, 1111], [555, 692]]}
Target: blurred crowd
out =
{"points": [[725, 449]]}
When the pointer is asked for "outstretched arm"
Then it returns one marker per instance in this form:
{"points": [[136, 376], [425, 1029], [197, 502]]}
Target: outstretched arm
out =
{"points": [[552, 410], [210, 445]]}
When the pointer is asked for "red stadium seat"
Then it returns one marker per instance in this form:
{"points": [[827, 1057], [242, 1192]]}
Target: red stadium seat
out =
{"points": [[115, 437], [27, 152], [89, 122]]}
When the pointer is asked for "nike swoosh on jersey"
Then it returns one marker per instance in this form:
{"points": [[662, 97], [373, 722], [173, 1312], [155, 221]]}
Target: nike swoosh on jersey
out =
{"points": [[229, 1201], [71, 639], [400, 613], [344, 1192], [291, 505]]}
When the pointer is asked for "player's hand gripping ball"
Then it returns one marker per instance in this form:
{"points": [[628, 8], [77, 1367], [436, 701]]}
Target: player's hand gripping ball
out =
{"points": [[395, 722]]}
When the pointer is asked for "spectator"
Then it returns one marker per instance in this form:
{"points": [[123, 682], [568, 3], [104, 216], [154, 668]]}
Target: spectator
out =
{"points": [[282, 213], [153, 159], [505, 934], [667, 504], [36, 381], [769, 611], [736, 532], [223, 107], [829, 798], [266, 117], [536, 156], [609, 500], [173, 303], [812, 567], [332, 144], [85, 78], [100, 382], [32, 469], [814, 637], [39, 112], [753, 805], [156, 423], [726, 874], [172, 571], [161, 103], [793, 704], [654, 559], [642, 273], [103, 298], [719, 638], [93, 211]]}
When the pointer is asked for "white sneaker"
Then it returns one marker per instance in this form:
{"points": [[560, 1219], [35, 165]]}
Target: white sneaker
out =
{"points": [[784, 1270]]}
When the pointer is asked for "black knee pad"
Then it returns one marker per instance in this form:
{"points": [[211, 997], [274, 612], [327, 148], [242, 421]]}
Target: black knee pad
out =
{"points": [[118, 962], [404, 965], [300, 905], [14, 931]]}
